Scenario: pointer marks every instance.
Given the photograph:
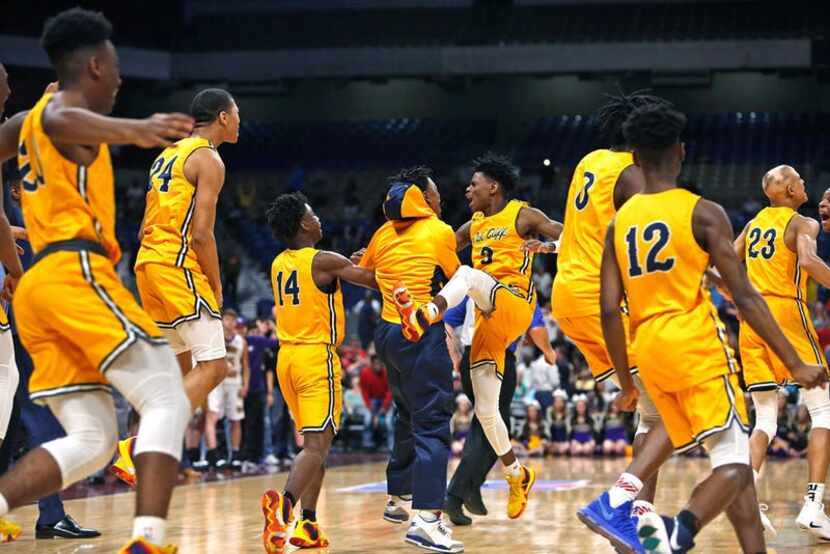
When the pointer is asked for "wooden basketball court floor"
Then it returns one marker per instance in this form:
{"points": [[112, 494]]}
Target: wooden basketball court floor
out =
{"points": [[224, 518]]}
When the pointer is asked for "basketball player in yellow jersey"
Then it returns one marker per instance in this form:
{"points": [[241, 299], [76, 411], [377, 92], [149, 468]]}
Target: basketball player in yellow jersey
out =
{"points": [[656, 252], [779, 248], [311, 324], [177, 268], [500, 284], [95, 335]]}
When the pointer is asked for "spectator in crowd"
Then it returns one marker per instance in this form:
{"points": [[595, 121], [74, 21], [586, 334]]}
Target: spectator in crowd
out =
{"points": [[260, 396], [355, 409], [376, 395], [368, 313], [460, 423], [559, 432], [780, 444], [542, 281], [543, 374], [614, 440], [533, 441], [231, 268], [798, 431], [582, 428], [584, 383]]}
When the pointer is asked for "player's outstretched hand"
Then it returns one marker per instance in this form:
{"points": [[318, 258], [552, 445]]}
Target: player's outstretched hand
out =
{"points": [[357, 256], [810, 375], [162, 129], [626, 400], [535, 246]]}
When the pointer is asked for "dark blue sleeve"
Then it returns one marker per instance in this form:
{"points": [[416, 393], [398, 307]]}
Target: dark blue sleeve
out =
{"points": [[538, 319], [454, 317]]}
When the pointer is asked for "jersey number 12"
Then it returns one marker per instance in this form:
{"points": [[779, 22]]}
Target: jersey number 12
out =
{"points": [[658, 232]]}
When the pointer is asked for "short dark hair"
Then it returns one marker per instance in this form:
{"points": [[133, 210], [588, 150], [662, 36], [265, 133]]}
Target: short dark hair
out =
{"points": [[651, 129], [208, 104], [616, 110], [417, 175], [498, 168], [285, 214], [70, 31]]}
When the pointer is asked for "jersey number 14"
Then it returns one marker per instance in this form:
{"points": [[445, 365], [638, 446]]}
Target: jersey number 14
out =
{"points": [[291, 288]]}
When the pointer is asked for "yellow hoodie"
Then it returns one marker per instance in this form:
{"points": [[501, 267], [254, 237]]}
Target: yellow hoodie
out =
{"points": [[413, 246]]}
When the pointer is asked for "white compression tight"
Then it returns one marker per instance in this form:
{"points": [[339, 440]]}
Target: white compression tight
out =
{"points": [[9, 379], [149, 378], [766, 412], [486, 388], [473, 283]]}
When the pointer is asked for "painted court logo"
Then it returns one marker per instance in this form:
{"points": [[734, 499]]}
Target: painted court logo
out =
{"points": [[541, 484]]}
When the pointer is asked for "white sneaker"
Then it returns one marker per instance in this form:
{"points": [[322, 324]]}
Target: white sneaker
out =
{"points": [[394, 511], [813, 518], [271, 460], [432, 535], [768, 527]]}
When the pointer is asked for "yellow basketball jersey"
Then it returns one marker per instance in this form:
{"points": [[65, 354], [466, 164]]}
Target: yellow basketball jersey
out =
{"points": [[497, 248], [589, 208], [63, 200], [662, 268], [305, 314], [771, 266], [171, 199]]}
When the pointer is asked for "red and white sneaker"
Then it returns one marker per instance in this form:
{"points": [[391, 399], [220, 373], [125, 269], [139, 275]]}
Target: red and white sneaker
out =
{"points": [[279, 514], [414, 320]]}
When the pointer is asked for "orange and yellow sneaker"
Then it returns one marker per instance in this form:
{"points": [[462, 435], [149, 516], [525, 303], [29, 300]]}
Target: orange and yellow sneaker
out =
{"points": [[307, 534], [124, 468], [141, 546], [279, 513], [414, 320], [9, 530], [520, 486]]}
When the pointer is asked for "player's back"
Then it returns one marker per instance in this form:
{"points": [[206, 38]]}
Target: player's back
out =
{"points": [[305, 314], [168, 215], [771, 266], [63, 200], [662, 267], [497, 248], [413, 246], [589, 208]]}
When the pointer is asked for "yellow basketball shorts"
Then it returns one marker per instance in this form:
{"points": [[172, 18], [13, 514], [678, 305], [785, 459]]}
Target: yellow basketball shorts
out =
{"points": [[762, 368], [75, 317], [310, 381], [586, 333], [693, 414], [4, 320], [173, 295], [509, 320]]}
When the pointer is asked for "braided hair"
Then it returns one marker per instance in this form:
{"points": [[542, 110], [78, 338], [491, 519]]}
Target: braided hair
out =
{"points": [[613, 114]]}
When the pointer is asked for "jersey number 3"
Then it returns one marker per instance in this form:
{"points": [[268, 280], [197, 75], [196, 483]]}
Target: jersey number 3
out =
{"points": [[658, 233], [291, 288]]}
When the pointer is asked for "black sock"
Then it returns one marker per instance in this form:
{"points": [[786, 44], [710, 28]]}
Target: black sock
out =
{"points": [[193, 454], [235, 455], [288, 507], [688, 520], [310, 515]]}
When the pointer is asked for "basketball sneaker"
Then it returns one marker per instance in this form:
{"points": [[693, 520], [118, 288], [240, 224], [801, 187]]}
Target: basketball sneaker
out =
{"points": [[768, 527], [394, 511], [813, 519], [663, 535], [432, 535], [124, 467], [618, 525], [307, 534], [520, 486], [141, 546], [414, 321], [279, 513], [9, 530]]}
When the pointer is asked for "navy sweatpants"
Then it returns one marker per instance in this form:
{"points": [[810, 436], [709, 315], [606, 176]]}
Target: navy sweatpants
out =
{"points": [[420, 378]]}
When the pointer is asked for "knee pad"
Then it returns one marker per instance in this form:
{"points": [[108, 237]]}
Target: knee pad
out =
{"points": [[818, 404], [766, 412], [150, 379], [476, 284], [204, 337], [91, 434]]}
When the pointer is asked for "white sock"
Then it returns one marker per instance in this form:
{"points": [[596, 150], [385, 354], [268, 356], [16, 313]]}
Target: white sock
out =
{"points": [[815, 492], [429, 516], [514, 469], [152, 529], [626, 489], [4, 506], [756, 475]]}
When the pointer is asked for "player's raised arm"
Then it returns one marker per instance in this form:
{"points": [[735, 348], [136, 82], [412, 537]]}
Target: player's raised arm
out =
{"points": [[462, 237], [611, 297], [534, 222], [205, 169], [335, 266], [806, 230], [72, 125], [740, 243], [713, 232]]}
